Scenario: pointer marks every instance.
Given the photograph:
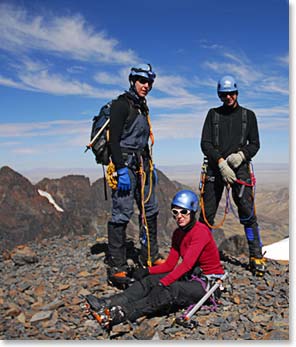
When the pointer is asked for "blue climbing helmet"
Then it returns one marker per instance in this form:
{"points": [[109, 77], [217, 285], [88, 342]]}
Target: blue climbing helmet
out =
{"points": [[142, 70], [227, 84], [186, 199]]}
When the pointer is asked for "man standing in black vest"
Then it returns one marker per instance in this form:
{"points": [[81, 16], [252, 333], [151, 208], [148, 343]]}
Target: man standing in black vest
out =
{"points": [[229, 141]]}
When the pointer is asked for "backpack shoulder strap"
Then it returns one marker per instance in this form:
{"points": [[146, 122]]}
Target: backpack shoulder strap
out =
{"points": [[132, 113], [215, 124], [244, 126]]}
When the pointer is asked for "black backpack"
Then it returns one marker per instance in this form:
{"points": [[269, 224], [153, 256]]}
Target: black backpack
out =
{"points": [[99, 136]]}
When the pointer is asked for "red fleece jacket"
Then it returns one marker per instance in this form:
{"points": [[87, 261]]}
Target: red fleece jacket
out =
{"points": [[195, 247]]}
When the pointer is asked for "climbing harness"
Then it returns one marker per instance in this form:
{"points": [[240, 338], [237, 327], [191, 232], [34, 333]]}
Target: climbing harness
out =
{"points": [[203, 177], [185, 319], [228, 205]]}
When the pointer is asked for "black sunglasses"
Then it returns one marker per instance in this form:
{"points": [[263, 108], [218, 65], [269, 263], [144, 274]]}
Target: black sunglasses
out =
{"points": [[183, 211], [144, 80], [224, 94]]}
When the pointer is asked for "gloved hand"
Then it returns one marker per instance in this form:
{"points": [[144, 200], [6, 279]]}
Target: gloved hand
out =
{"points": [[124, 182], [140, 273], [155, 174], [226, 172], [235, 159]]}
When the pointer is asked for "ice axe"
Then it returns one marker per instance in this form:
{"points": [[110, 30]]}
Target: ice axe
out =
{"points": [[89, 146], [185, 319]]}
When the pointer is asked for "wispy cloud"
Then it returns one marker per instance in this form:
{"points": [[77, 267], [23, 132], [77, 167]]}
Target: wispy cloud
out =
{"points": [[176, 102], [35, 129], [56, 84], [284, 60], [59, 85], [237, 66], [26, 151], [177, 126], [250, 75], [72, 36]]}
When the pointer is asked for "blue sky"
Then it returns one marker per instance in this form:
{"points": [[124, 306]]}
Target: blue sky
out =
{"points": [[61, 60]]}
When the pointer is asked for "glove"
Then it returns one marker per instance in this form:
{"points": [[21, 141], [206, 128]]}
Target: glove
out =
{"points": [[235, 159], [140, 273], [155, 174], [226, 172], [124, 182]]}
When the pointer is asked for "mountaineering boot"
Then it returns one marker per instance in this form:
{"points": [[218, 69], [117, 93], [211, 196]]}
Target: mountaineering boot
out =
{"points": [[119, 277], [117, 243], [117, 270], [257, 264], [107, 317], [97, 304], [149, 231]]}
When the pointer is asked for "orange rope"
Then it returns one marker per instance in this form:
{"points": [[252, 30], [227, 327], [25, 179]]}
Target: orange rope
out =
{"points": [[150, 131], [202, 206]]}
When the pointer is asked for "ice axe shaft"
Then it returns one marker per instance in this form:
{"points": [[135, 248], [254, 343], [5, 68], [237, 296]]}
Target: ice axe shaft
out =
{"points": [[205, 297], [89, 146]]}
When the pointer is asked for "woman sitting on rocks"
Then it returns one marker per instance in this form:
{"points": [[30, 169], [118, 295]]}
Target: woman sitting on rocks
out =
{"points": [[169, 286]]}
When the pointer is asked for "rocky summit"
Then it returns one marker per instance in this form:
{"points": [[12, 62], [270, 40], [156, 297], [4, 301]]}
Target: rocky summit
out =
{"points": [[52, 251], [42, 284]]}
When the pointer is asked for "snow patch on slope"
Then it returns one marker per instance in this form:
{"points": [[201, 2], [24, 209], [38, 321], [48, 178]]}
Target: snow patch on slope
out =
{"points": [[278, 250], [50, 199]]}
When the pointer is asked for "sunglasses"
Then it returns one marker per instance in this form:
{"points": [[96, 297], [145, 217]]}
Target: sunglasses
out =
{"points": [[144, 80], [224, 94], [183, 211]]}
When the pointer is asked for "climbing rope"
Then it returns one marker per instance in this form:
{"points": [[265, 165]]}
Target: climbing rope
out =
{"points": [[111, 176], [201, 199], [228, 204], [146, 236]]}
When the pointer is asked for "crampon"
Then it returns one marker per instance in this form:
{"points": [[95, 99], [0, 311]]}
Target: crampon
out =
{"points": [[103, 316], [257, 266], [106, 316]]}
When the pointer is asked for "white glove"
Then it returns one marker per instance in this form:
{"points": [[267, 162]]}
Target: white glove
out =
{"points": [[226, 172], [235, 159]]}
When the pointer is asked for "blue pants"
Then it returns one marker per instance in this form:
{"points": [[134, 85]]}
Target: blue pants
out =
{"points": [[123, 204], [122, 211]]}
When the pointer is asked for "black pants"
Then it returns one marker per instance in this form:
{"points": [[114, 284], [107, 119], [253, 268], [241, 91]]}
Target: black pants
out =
{"points": [[213, 190], [137, 300], [243, 198]]}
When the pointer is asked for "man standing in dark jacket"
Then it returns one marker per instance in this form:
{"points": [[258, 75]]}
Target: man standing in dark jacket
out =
{"points": [[130, 130], [230, 139]]}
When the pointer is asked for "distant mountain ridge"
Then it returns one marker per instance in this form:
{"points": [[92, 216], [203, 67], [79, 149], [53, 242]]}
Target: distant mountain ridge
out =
{"points": [[25, 215], [271, 174]]}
